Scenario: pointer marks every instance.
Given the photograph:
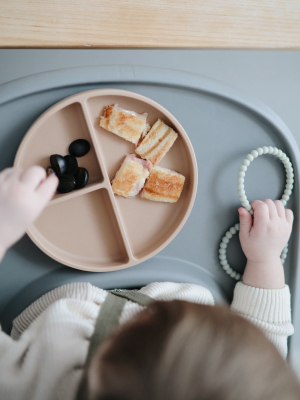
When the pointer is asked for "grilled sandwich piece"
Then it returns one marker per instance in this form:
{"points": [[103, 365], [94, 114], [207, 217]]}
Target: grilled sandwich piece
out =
{"points": [[163, 185], [124, 123], [131, 176], [157, 142]]}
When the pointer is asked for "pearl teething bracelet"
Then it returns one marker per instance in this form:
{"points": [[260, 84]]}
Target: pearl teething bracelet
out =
{"points": [[245, 203]]}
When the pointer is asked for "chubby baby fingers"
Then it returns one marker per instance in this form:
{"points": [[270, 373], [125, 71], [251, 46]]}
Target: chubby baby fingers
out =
{"points": [[272, 208], [47, 188], [280, 208], [10, 173], [33, 176], [289, 215], [261, 209]]}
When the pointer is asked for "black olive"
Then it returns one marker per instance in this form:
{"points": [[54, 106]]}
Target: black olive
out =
{"points": [[66, 183], [79, 148], [50, 171], [72, 164], [82, 178], [58, 163]]}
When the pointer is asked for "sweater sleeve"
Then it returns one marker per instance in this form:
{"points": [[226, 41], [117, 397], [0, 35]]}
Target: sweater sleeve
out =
{"points": [[268, 309]]}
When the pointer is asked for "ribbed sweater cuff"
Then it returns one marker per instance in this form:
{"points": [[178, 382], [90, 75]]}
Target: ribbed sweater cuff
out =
{"points": [[267, 305]]}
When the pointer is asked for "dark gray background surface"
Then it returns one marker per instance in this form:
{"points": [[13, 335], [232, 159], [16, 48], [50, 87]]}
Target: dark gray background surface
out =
{"points": [[273, 77]]}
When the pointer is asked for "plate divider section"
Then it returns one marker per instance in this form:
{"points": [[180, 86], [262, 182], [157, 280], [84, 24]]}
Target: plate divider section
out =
{"points": [[106, 182], [76, 193]]}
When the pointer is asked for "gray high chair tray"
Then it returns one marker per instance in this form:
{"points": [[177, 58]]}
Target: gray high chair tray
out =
{"points": [[223, 126]]}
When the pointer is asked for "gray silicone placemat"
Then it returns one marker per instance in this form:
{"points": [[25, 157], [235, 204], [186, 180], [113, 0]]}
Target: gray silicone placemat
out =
{"points": [[223, 126]]}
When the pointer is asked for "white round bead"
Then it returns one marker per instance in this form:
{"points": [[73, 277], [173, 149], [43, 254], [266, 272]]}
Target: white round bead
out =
{"points": [[238, 277], [228, 235], [279, 154], [275, 151], [249, 157], [271, 149], [223, 262], [233, 274], [222, 251], [241, 174], [289, 175], [222, 256], [226, 267], [223, 245], [290, 180], [240, 186], [260, 151], [243, 168], [254, 153], [283, 202], [251, 212], [243, 198], [283, 157], [229, 271], [240, 180], [246, 162], [248, 207], [225, 240], [265, 149], [285, 197], [232, 230], [241, 192], [237, 227], [289, 186], [287, 191], [245, 203]]}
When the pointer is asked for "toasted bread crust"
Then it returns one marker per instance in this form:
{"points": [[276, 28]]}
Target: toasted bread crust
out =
{"points": [[163, 185], [157, 142], [125, 124]]}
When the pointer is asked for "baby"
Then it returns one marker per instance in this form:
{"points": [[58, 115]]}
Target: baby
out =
{"points": [[164, 341]]}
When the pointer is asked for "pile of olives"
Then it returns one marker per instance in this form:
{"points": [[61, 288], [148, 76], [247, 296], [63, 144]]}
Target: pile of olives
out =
{"points": [[66, 168]]}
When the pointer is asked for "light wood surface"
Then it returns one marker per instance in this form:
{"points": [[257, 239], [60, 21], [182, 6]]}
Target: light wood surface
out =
{"points": [[150, 23]]}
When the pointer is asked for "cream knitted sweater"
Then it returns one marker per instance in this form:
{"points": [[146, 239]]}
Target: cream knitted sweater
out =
{"points": [[44, 357]]}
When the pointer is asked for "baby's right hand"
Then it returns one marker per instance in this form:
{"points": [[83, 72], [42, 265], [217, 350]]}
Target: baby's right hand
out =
{"points": [[23, 196], [264, 237]]}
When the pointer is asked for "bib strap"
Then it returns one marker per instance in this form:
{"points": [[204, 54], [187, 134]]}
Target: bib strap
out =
{"points": [[106, 323], [133, 295]]}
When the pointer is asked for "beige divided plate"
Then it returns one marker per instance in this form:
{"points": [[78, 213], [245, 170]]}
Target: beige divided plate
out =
{"points": [[92, 229]]}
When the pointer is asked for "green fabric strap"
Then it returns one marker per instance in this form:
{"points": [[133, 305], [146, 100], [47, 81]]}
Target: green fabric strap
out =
{"points": [[106, 323], [132, 295]]}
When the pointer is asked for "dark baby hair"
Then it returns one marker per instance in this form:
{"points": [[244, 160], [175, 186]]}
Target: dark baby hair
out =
{"points": [[178, 350]]}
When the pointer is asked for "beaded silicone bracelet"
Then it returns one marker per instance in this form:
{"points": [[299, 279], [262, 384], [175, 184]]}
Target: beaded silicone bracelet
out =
{"points": [[245, 203]]}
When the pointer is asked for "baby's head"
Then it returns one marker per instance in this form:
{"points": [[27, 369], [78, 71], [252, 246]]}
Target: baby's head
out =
{"points": [[183, 351]]}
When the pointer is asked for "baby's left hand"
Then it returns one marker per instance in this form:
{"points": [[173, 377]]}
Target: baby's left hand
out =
{"points": [[23, 196]]}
